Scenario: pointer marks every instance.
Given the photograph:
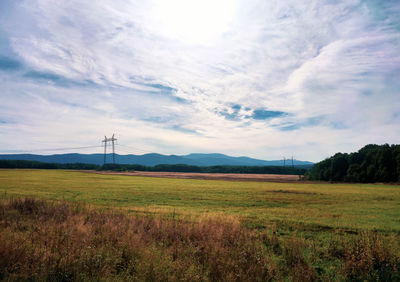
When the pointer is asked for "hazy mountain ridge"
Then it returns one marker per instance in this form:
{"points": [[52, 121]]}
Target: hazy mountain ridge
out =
{"points": [[153, 159]]}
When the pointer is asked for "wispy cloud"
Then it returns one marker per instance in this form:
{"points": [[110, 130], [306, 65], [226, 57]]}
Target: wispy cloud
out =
{"points": [[288, 77]]}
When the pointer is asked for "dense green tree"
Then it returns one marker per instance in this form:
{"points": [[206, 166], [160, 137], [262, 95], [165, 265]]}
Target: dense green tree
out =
{"points": [[353, 173], [372, 163], [339, 166]]}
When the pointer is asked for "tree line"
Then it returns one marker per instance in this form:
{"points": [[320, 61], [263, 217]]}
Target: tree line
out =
{"points": [[160, 167], [372, 163], [209, 169], [43, 165]]}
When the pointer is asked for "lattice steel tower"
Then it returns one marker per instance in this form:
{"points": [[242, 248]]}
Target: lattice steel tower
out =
{"points": [[105, 141]]}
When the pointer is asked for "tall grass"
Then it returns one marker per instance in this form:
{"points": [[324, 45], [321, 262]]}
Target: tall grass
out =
{"points": [[42, 240]]}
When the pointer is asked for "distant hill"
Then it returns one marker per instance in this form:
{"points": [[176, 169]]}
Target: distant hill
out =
{"points": [[153, 159], [221, 159]]}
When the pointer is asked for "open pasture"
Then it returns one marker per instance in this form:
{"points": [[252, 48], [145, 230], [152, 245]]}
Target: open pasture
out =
{"points": [[255, 204], [98, 227]]}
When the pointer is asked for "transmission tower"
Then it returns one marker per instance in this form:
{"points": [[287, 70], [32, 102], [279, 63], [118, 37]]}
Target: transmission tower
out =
{"points": [[105, 141], [105, 148]]}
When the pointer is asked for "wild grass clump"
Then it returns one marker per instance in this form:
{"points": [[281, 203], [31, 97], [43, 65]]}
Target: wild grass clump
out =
{"points": [[42, 240], [370, 257], [59, 242]]}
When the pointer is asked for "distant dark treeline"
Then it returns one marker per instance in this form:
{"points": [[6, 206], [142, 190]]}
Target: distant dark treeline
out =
{"points": [[161, 167], [42, 165], [208, 169], [372, 163]]}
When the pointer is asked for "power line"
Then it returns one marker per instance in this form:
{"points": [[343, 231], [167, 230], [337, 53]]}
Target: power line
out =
{"points": [[127, 151], [53, 149], [121, 150], [134, 148], [105, 141], [76, 148]]}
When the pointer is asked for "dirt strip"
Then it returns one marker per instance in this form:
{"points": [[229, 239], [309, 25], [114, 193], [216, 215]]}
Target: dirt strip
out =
{"points": [[208, 176]]}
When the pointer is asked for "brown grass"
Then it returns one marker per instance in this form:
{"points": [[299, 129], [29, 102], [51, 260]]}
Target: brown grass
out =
{"points": [[369, 257], [64, 242], [208, 176]]}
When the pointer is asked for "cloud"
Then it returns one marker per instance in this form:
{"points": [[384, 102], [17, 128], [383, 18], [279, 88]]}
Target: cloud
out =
{"points": [[335, 82], [320, 73], [54, 79]]}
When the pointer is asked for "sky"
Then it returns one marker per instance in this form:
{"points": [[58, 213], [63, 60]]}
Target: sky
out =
{"points": [[264, 79]]}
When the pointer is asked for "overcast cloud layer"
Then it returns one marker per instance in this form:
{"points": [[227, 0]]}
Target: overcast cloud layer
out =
{"points": [[265, 79]]}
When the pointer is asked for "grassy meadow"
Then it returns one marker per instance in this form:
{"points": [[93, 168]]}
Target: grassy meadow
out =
{"points": [[197, 230], [347, 206]]}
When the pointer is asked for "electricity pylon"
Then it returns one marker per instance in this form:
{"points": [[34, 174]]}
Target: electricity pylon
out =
{"points": [[105, 141]]}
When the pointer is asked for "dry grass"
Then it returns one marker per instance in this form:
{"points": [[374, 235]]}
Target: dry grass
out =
{"points": [[209, 176], [70, 242], [63, 242]]}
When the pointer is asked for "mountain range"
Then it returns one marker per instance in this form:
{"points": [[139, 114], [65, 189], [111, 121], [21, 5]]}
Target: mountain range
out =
{"points": [[153, 159]]}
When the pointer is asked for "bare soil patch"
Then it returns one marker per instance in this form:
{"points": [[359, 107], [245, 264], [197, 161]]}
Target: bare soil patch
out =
{"points": [[209, 176]]}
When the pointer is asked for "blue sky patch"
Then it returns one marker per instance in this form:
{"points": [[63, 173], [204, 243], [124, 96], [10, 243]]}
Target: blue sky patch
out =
{"points": [[233, 112], [261, 114], [236, 107], [9, 64]]}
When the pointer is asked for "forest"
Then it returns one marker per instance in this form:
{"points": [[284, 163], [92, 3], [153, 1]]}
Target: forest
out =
{"points": [[43, 165], [372, 163], [297, 170]]}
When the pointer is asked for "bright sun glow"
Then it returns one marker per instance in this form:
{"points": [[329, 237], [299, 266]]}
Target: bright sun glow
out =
{"points": [[194, 21]]}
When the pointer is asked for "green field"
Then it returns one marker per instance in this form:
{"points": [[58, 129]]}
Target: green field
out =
{"points": [[339, 206], [73, 226]]}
